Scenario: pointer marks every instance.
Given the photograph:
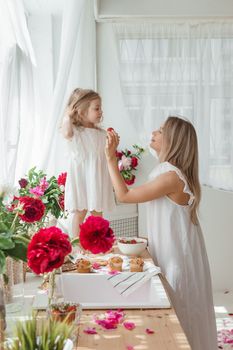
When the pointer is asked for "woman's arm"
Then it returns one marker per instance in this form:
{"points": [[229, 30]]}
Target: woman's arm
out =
{"points": [[163, 185]]}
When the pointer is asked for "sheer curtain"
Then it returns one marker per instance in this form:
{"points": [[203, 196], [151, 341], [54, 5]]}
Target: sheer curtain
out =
{"points": [[182, 68], [16, 53], [76, 68], [66, 59]]}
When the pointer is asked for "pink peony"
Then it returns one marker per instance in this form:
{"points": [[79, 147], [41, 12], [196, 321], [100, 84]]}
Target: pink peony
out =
{"points": [[37, 191]]}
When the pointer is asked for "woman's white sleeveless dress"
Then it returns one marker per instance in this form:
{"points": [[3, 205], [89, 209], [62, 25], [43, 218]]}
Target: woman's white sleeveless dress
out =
{"points": [[177, 246], [88, 184]]}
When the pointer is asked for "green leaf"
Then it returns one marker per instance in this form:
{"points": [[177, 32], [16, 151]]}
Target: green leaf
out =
{"points": [[6, 243], [18, 252]]}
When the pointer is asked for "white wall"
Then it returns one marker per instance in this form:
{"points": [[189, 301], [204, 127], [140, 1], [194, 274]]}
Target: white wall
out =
{"points": [[216, 216], [113, 8]]}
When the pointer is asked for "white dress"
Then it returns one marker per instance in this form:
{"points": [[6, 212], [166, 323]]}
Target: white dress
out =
{"points": [[178, 247], [88, 184]]}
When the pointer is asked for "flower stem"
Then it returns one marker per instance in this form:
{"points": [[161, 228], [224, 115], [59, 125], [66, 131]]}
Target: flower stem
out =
{"points": [[51, 286], [14, 221]]}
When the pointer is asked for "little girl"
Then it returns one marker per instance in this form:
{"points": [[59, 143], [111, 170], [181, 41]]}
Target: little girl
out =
{"points": [[88, 185], [175, 238]]}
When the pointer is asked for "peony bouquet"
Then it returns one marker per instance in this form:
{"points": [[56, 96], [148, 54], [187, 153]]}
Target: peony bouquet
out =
{"points": [[128, 162], [49, 192], [26, 209]]}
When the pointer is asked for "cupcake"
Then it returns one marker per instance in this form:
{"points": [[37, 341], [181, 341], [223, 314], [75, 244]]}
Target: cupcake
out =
{"points": [[115, 263], [136, 264], [83, 265]]}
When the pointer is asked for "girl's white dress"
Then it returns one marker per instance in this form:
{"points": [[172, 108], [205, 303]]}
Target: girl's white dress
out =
{"points": [[88, 184], [178, 247]]}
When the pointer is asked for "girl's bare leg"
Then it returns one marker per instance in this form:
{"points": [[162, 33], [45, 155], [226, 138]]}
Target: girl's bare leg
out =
{"points": [[97, 213], [78, 219]]}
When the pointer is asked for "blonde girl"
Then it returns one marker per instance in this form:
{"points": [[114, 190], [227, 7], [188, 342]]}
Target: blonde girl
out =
{"points": [[175, 238], [88, 185]]}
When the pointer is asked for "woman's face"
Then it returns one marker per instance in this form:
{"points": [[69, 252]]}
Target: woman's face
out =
{"points": [[157, 140]]}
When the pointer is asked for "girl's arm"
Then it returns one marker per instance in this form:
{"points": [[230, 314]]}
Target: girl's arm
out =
{"points": [[163, 185], [67, 127]]}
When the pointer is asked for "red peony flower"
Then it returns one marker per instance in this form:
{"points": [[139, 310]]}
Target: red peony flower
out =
{"points": [[33, 208], [23, 183], [134, 162], [47, 249], [119, 154], [96, 235], [130, 181], [62, 179]]}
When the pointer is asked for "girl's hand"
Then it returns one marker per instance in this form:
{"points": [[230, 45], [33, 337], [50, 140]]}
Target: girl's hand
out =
{"points": [[71, 111], [112, 142]]}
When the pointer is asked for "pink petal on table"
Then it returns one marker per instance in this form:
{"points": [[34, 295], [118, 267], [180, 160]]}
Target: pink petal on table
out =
{"points": [[114, 272], [130, 347], [96, 266], [149, 331], [90, 330], [129, 325], [107, 324], [115, 316]]}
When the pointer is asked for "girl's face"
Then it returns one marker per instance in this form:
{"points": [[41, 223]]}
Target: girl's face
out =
{"points": [[94, 112], [157, 140]]}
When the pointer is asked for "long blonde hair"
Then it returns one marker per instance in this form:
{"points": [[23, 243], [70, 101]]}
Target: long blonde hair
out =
{"points": [[180, 148], [80, 99]]}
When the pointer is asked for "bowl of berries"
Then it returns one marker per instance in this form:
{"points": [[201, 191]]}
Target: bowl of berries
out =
{"points": [[132, 245]]}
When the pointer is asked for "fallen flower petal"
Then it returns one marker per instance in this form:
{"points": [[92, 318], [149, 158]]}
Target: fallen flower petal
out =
{"points": [[107, 324], [114, 272], [96, 266], [129, 325], [90, 330], [149, 331], [130, 347], [115, 316]]}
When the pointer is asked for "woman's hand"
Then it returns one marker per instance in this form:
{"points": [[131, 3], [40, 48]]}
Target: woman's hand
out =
{"points": [[112, 142]]}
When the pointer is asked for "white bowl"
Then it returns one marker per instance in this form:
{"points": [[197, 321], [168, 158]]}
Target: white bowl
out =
{"points": [[132, 248]]}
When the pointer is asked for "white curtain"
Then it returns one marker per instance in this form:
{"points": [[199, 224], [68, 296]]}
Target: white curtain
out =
{"points": [[16, 53], [76, 68], [42, 59], [182, 68]]}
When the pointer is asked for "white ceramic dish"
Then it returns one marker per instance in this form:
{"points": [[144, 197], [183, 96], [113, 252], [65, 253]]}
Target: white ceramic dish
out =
{"points": [[132, 248]]}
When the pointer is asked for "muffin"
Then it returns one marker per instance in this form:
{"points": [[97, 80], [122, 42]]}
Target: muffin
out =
{"points": [[115, 263], [136, 264], [83, 265]]}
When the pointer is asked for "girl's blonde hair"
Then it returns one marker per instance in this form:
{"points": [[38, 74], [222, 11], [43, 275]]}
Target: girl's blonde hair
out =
{"points": [[80, 99], [180, 148]]}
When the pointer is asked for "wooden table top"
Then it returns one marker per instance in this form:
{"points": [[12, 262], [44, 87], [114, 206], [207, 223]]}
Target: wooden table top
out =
{"points": [[168, 334]]}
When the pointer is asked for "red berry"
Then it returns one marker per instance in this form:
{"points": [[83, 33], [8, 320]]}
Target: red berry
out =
{"points": [[110, 129]]}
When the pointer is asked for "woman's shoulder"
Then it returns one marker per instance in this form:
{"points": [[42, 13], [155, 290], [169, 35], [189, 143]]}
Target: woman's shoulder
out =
{"points": [[162, 168]]}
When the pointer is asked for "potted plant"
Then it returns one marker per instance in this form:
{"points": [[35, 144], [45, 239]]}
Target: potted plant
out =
{"points": [[39, 333]]}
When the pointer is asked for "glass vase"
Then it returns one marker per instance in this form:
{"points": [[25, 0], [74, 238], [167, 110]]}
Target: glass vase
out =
{"points": [[13, 286]]}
